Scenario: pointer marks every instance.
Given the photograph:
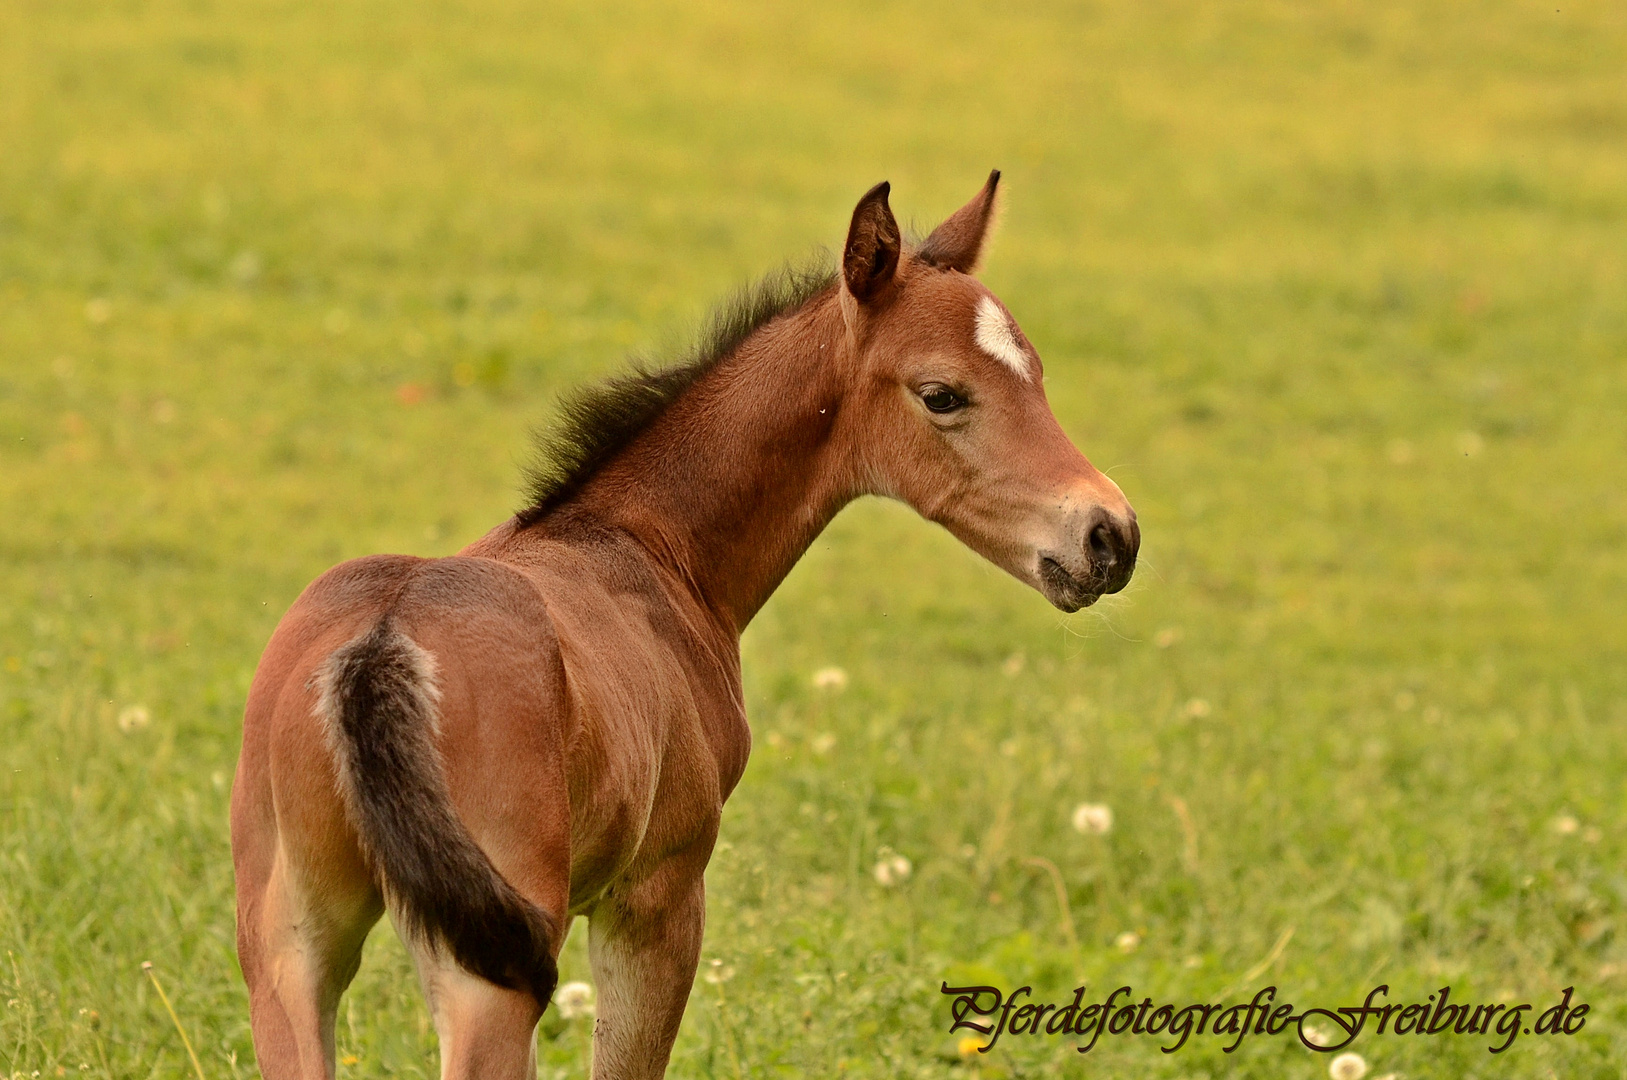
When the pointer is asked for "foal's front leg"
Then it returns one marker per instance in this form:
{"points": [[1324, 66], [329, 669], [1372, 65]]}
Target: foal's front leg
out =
{"points": [[644, 945]]}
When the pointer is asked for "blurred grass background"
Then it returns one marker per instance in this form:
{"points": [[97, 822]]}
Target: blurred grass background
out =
{"points": [[1336, 293]]}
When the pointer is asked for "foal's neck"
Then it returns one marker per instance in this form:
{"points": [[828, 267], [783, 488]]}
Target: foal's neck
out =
{"points": [[733, 481]]}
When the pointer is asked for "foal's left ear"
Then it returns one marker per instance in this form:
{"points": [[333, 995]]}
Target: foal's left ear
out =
{"points": [[870, 257], [958, 242]]}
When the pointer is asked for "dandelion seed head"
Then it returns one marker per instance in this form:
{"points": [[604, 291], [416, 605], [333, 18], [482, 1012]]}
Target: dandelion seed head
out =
{"points": [[830, 678], [1196, 709], [717, 972], [1348, 1067], [891, 868], [1565, 824], [1093, 818], [134, 718], [1127, 942], [823, 743], [574, 999]]}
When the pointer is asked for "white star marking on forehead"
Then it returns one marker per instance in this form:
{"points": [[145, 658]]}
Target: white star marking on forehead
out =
{"points": [[996, 336]]}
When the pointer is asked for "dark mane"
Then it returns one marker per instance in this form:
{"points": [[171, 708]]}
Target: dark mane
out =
{"points": [[595, 423]]}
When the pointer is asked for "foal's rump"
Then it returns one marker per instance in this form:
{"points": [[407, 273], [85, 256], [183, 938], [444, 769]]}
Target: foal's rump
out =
{"points": [[443, 722]]}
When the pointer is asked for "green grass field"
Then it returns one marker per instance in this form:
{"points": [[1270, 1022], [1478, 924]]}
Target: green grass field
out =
{"points": [[1337, 293]]}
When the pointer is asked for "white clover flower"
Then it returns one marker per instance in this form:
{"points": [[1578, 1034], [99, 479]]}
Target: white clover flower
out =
{"points": [[717, 972], [1348, 1067], [1128, 942], [891, 868], [830, 678], [1093, 818], [134, 718], [574, 999]]}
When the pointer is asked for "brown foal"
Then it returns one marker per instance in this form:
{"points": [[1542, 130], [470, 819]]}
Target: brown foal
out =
{"points": [[547, 723]]}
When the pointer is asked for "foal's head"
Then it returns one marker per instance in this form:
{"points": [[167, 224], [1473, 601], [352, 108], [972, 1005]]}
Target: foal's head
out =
{"points": [[954, 416]]}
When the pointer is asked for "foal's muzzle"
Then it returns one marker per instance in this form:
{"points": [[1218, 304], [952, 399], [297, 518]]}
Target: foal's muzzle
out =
{"points": [[1073, 580]]}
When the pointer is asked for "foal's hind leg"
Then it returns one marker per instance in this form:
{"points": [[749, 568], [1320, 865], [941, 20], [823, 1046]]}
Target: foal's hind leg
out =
{"points": [[305, 902], [298, 954], [485, 1030]]}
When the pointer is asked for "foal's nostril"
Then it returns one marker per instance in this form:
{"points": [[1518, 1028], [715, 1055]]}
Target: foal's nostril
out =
{"points": [[1102, 545]]}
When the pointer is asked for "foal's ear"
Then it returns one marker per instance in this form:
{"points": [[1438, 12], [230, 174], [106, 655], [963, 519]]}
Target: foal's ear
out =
{"points": [[958, 242], [871, 256]]}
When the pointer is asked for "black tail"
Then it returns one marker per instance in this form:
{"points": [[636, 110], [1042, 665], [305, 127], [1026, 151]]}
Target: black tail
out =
{"points": [[379, 701]]}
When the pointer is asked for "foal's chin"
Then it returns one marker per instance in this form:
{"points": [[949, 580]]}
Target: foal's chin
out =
{"points": [[1072, 602], [1062, 589]]}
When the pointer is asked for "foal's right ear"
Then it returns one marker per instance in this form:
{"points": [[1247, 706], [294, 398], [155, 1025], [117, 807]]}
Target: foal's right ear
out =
{"points": [[957, 244], [870, 258]]}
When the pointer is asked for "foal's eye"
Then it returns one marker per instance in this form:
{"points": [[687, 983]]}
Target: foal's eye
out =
{"points": [[941, 399]]}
